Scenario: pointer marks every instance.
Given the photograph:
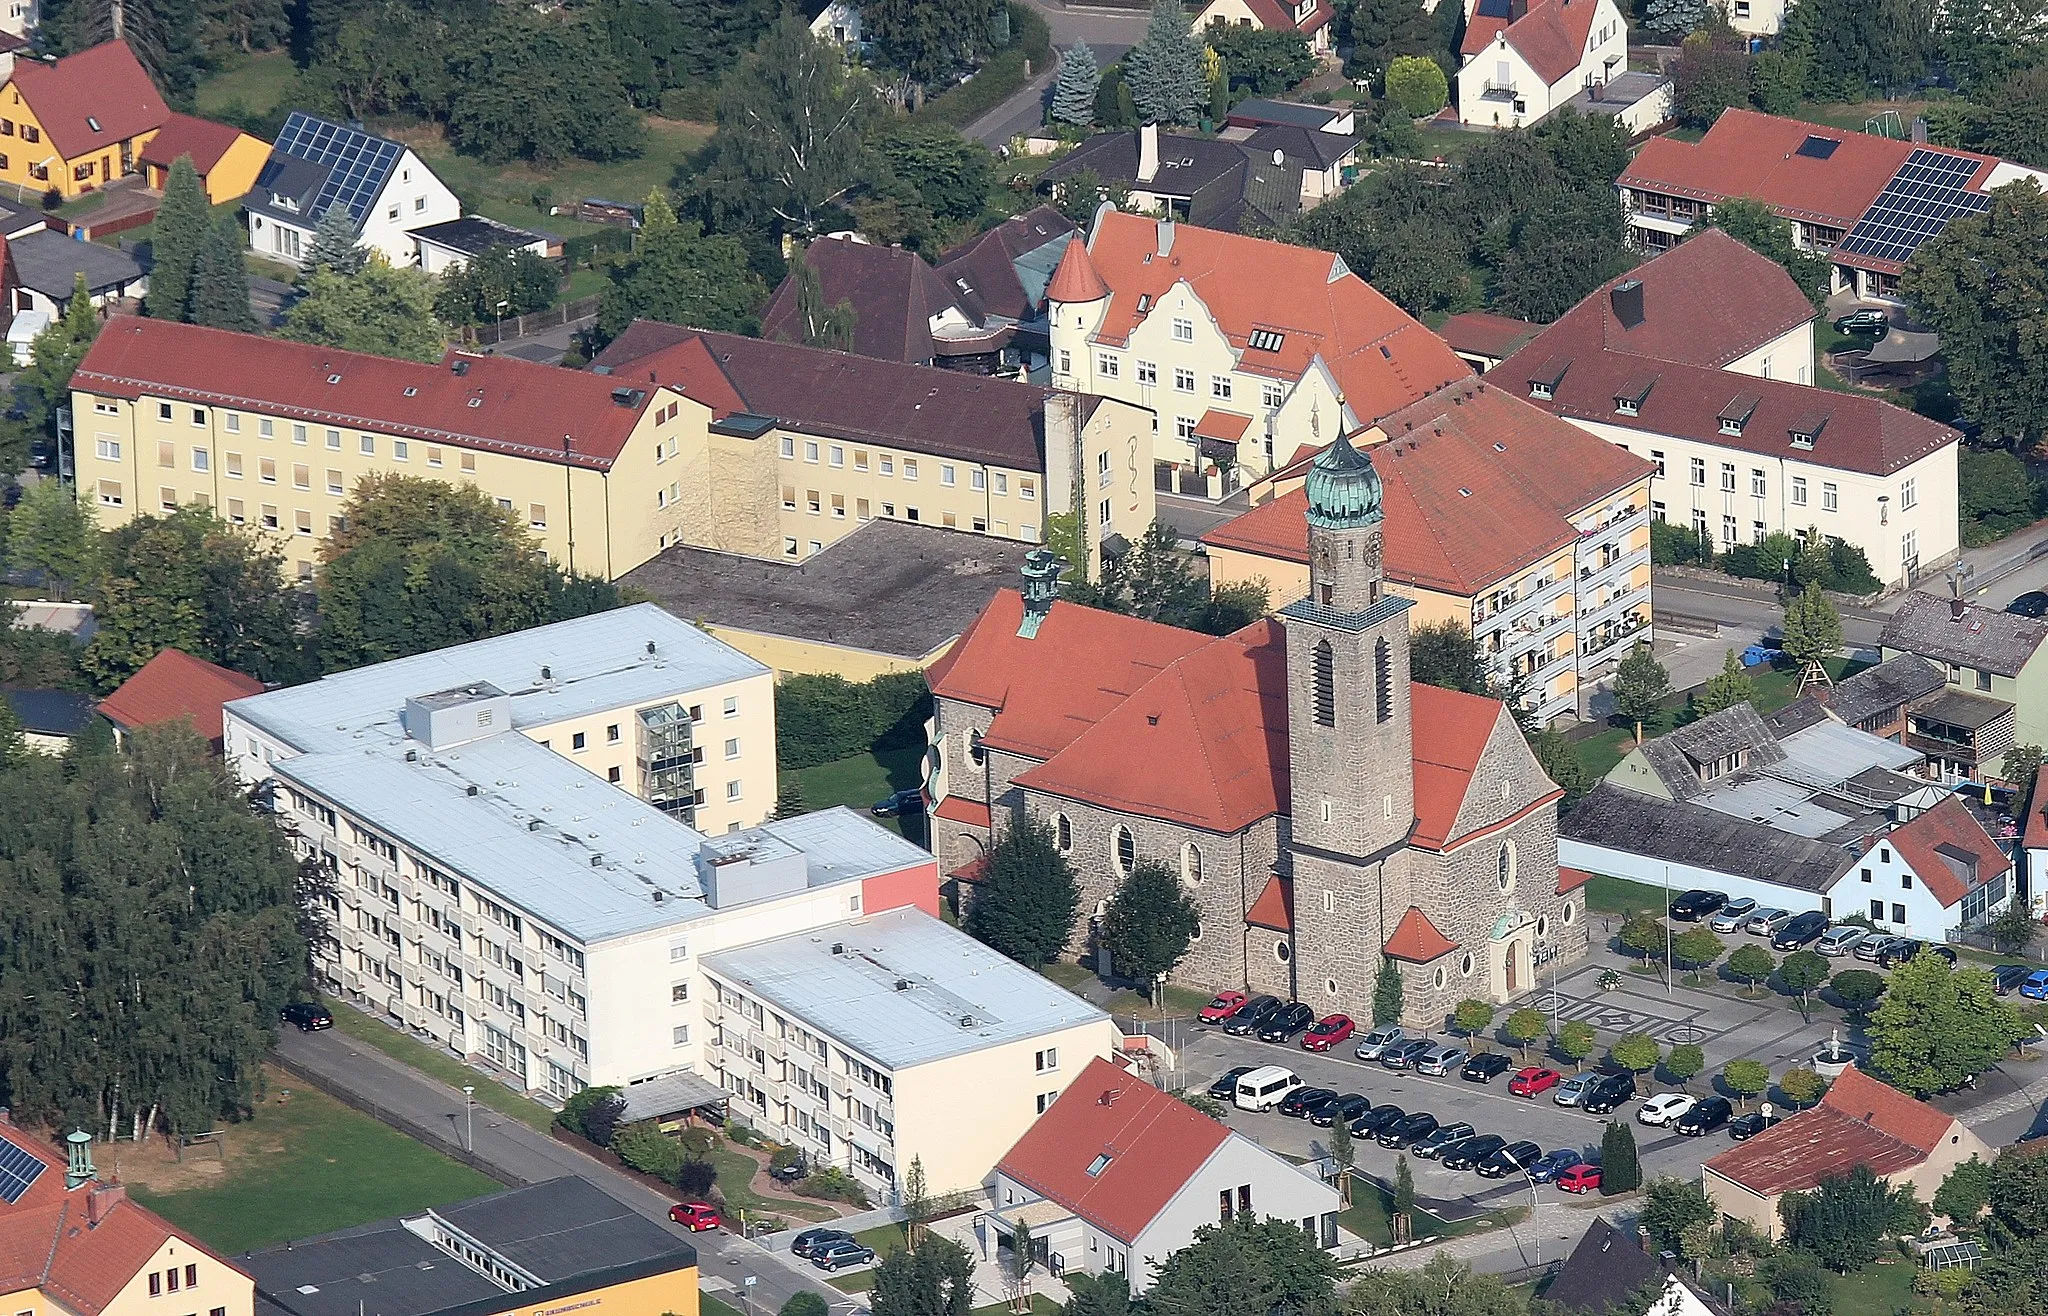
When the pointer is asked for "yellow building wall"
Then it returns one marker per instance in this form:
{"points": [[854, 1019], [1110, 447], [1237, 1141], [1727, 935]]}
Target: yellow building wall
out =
{"points": [[1286, 581], [221, 1288], [828, 488], [235, 172], [792, 656], [23, 156], [673, 1293]]}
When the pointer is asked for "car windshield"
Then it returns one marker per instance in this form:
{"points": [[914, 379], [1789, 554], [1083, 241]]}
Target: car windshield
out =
{"points": [[1326, 1026]]}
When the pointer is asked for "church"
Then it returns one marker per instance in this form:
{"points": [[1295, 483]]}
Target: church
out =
{"points": [[1325, 813]]}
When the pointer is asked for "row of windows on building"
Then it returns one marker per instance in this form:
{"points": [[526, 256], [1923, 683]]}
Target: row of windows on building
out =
{"points": [[1797, 487], [980, 479], [266, 428]]}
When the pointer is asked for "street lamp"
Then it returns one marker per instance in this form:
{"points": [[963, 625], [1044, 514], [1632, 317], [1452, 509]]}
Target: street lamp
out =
{"points": [[469, 1118], [1535, 1225], [502, 304]]}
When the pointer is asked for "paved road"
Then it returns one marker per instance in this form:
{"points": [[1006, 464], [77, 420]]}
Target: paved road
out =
{"points": [[1109, 32], [725, 1260]]}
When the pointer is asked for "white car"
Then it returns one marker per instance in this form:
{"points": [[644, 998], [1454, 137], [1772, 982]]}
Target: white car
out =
{"points": [[1661, 1110]]}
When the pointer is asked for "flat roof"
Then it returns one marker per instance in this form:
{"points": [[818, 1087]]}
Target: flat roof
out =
{"points": [[596, 662], [961, 996]]}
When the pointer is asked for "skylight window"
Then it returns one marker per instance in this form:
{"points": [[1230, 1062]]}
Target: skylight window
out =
{"points": [[1267, 340], [92, 123], [1098, 1165]]}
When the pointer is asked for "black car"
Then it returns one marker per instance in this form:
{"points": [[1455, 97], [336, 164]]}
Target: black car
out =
{"points": [[1408, 1129], [1608, 1093], [1284, 1024], [1225, 1087], [903, 804], [1311, 1109], [1697, 904], [1704, 1117], [1804, 929], [1511, 1159], [815, 1240], [1467, 1154], [1905, 948], [1744, 1127], [1485, 1067], [2006, 978], [309, 1016], [1867, 322], [1249, 1019], [2033, 603], [1297, 1102], [1432, 1146], [1370, 1124], [848, 1253], [1346, 1108]]}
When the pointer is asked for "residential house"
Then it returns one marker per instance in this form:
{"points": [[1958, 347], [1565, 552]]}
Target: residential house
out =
{"points": [[1483, 340], [43, 268], [1238, 344], [1314, 19], [387, 191], [1553, 579], [1865, 202], [1116, 1176], [454, 243], [176, 687], [1757, 18], [50, 719], [788, 448], [1702, 360], [839, 23], [1878, 698], [1996, 694], [18, 18], [2034, 841], [227, 158], [1859, 1122], [1338, 117], [1639, 102], [1244, 179], [75, 1244], [1939, 870], [1619, 1271], [74, 124], [1521, 59], [1328, 816]]}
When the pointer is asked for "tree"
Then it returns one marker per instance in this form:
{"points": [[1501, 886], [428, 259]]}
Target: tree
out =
{"points": [[1620, 1171], [1107, 1294], [1523, 1027], [1165, 68], [1417, 84], [937, 168], [539, 87], [1404, 1187], [917, 1202], [379, 310], [789, 796], [1965, 1192], [1802, 1087], [1559, 759], [43, 388], [1149, 922], [1382, 30], [819, 325], [1234, 606], [183, 220], [1114, 107], [1445, 1286], [497, 282], [1802, 971], [1973, 285], [935, 1278], [1675, 17], [1154, 580], [1640, 686], [1939, 1026], [1566, 244], [1813, 629], [1261, 62], [1341, 1157], [1997, 494], [1757, 227], [1073, 92], [220, 282], [1636, 1052], [1670, 1207], [1575, 1041], [1443, 653], [593, 1114], [680, 275], [2014, 122], [803, 1302], [928, 41], [334, 245], [1684, 1064], [1696, 946], [1857, 988], [1388, 994], [13, 749], [51, 531], [1645, 936], [2014, 928], [1246, 1265], [1751, 965], [1027, 904], [1710, 74], [789, 126], [1746, 1078], [2019, 1194], [1841, 1222], [1726, 688], [1472, 1016]]}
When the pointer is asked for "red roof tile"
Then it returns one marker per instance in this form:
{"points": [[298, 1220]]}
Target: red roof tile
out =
{"points": [[202, 139], [1153, 1143], [1417, 940], [1708, 301], [1949, 830], [105, 85], [1552, 35], [1452, 730], [1274, 908], [1216, 424], [974, 872], [1859, 1122], [1482, 333], [1075, 279], [1480, 30], [960, 809], [2037, 812], [520, 407], [1571, 879], [1381, 357], [175, 685]]}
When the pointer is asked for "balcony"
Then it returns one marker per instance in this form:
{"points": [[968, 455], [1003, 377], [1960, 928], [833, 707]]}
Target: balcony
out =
{"points": [[1622, 564], [1497, 91]]}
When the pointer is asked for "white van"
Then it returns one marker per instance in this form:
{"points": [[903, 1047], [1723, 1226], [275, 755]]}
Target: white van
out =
{"points": [[1265, 1088]]}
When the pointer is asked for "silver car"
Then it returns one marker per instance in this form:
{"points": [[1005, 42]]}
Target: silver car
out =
{"points": [[1441, 1060], [1766, 922], [1375, 1043], [1573, 1090], [1733, 915], [1842, 940]]}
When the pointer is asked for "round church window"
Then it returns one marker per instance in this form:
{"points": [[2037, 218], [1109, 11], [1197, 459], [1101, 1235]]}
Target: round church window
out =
{"points": [[1542, 927], [1465, 966], [1441, 979], [1330, 986], [1566, 913], [1282, 951]]}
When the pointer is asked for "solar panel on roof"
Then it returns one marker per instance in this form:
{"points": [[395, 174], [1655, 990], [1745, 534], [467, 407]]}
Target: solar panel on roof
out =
{"points": [[19, 1169], [1927, 194], [357, 163], [1817, 148]]}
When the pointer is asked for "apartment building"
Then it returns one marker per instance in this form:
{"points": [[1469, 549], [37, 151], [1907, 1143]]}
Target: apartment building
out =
{"points": [[895, 1039], [1245, 350], [1699, 361], [1525, 530], [802, 446]]}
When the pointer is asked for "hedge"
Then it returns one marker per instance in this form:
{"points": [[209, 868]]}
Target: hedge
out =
{"points": [[822, 718], [1000, 77]]}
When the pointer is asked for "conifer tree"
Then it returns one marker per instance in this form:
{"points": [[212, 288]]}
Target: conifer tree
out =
{"points": [[220, 283], [1165, 68], [334, 243], [1620, 1171], [1726, 688], [1073, 94], [177, 237]]}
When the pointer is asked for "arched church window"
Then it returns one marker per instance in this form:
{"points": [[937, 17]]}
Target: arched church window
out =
{"points": [[1323, 684], [1062, 833], [1126, 849], [1506, 864], [1191, 863], [1383, 678], [975, 751]]}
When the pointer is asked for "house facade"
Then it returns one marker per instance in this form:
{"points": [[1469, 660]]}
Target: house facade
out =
{"points": [[1314, 19], [1996, 692], [386, 189], [226, 158], [78, 123], [1521, 59]]}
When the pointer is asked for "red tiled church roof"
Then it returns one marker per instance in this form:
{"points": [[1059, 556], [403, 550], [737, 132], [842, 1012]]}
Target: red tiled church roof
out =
{"points": [[1274, 908], [1417, 940], [175, 685]]}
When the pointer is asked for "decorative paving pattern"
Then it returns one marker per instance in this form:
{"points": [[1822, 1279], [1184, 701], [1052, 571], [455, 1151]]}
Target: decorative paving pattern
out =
{"points": [[1673, 1021]]}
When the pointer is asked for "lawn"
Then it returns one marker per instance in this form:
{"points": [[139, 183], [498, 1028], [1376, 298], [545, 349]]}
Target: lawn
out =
{"points": [[260, 82], [710, 1306], [436, 1063], [859, 781], [736, 1171], [1615, 895], [1879, 1289], [303, 1164], [1775, 687], [884, 1239], [1040, 1306], [1370, 1216], [505, 192]]}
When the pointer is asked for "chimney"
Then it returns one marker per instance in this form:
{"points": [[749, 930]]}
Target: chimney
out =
{"points": [[1041, 572], [101, 1200], [1956, 606], [1148, 152], [1643, 1241], [1627, 300]]}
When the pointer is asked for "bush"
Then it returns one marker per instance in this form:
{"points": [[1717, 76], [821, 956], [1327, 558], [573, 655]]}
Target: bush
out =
{"points": [[593, 1113], [785, 1158], [999, 77], [695, 1176], [822, 718], [694, 104], [1674, 545], [832, 1184], [1417, 84], [645, 1148], [744, 1135], [697, 1142]]}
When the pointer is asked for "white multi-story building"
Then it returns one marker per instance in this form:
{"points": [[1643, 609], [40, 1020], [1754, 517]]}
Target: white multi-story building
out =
{"points": [[1521, 59]]}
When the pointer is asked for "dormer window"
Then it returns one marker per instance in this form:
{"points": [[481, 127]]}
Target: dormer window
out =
{"points": [[1538, 389], [1807, 428], [1737, 413], [1628, 399], [1543, 384]]}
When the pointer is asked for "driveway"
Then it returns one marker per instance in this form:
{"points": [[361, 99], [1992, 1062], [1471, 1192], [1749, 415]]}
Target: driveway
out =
{"points": [[1109, 32]]}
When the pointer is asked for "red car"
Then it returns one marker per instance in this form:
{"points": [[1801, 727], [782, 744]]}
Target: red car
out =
{"points": [[695, 1216], [1533, 1081], [1580, 1179], [1331, 1030], [1225, 1005]]}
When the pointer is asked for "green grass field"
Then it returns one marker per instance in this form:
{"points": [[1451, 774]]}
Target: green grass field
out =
{"points": [[1615, 895], [505, 192], [436, 1063], [710, 1306], [261, 83], [305, 1164], [1775, 688], [736, 1171], [859, 781]]}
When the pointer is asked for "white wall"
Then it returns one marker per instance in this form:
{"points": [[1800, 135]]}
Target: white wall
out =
{"points": [[1683, 877], [418, 198], [1601, 59], [1888, 875], [1279, 1190], [1788, 356]]}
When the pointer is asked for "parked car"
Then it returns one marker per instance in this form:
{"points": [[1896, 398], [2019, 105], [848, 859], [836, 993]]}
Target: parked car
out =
{"points": [[1744, 1127], [1511, 1159], [1767, 921], [903, 804], [1343, 1110], [1225, 1086], [1225, 1005], [2006, 978], [2033, 603], [1467, 1153], [1370, 1124], [1534, 1081], [1704, 1117], [1803, 928], [1664, 1108], [1441, 1060], [1251, 1015], [1406, 1054], [1556, 1163], [1733, 915], [1865, 323], [1284, 1023], [1485, 1067], [1573, 1089], [1873, 947], [810, 1240], [696, 1216], [1378, 1040], [1581, 1178], [840, 1255], [1432, 1146], [1697, 904], [307, 1016], [1299, 1100], [1905, 948], [1265, 1088], [1328, 1032], [1841, 940], [1608, 1094], [1316, 1105], [2035, 988], [1407, 1130]]}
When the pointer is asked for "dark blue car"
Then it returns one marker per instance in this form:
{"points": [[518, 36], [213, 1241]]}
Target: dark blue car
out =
{"points": [[1554, 1164]]}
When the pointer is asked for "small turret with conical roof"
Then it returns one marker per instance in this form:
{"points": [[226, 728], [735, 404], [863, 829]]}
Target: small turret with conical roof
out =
{"points": [[1075, 280], [1344, 519]]}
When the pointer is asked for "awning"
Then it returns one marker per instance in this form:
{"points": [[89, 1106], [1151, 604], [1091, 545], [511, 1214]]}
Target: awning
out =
{"points": [[1226, 425], [671, 1094]]}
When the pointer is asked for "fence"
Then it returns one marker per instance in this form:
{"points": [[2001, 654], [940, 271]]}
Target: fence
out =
{"points": [[521, 326], [404, 1124]]}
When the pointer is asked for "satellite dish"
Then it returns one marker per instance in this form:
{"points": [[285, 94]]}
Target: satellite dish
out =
{"points": [[1766, 1108]]}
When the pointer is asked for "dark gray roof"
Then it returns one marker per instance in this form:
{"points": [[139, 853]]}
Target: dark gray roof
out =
{"points": [[1325, 149], [50, 263], [890, 587], [1801, 713], [1960, 708], [473, 235], [18, 218], [1225, 185], [289, 177], [1676, 756], [561, 1229], [1606, 1269], [384, 1266], [1951, 631], [1687, 833], [51, 712], [1259, 110], [1879, 690]]}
